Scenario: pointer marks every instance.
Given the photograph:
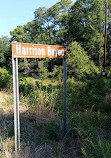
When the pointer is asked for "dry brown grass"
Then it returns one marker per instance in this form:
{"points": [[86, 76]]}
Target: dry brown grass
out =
{"points": [[4, 97], [43, 152], [33, 123], [6, 104], [7, 148], [42, 115]]}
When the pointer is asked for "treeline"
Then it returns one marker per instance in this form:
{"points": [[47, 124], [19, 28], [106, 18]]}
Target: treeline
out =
{"points": [[80, 26]]}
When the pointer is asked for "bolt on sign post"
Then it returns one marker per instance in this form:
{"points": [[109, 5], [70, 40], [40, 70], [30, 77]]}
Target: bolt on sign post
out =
{"points": [[27, 50]]}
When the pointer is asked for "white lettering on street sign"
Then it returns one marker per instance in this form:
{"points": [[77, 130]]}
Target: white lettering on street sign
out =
{"points": [[26, 50]]}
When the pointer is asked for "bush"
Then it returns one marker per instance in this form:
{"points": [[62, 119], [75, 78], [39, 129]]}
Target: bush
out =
{"points": [[93, 94], [26, 85], [79, 64], [57, 73], [43, 97], [52, 130], [43, 73], [5, 78]]}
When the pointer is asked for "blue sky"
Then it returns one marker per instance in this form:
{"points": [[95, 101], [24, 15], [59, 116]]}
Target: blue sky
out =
{"points": [[18, 12]]}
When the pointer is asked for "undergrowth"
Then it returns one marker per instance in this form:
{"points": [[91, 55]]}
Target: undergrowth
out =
{"points": [[88, 126]]}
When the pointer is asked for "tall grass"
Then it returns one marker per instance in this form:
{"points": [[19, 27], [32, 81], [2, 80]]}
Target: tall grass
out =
{"points": [[98, 149], [88, 107]]}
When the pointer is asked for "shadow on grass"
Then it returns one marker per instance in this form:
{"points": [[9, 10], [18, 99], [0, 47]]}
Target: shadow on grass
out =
{"points": [[31, 129], [38, 136]]}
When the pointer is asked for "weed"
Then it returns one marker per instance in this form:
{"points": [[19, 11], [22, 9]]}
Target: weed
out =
{"points": [[98, 148]]}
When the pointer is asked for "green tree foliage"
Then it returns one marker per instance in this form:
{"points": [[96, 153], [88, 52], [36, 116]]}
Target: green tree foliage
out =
{"points": [[63, 23], [79, 63], [18, 34], [47, 27], [86, 26], [5, 78], [109, 34], [5, 52], [52, 22]]}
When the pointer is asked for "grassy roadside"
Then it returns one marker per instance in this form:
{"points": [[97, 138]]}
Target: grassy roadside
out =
{"points": [[41, 133], [41, 113], [89, 132]]}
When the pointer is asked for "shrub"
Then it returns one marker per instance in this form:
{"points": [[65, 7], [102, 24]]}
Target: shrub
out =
{"points": [[92, 94], [43, 97], [52, 130], [79, 63], [43, 73], [26, 85], [5, 78], [57, 73]]}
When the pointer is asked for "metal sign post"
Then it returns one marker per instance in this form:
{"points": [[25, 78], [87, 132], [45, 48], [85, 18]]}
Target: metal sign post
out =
{"points": [[28, 50], [16, 105]]}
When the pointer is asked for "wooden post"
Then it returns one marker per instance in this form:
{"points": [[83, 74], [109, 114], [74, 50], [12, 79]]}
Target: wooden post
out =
{"points": [[65, 96], [16, 105], [105, 40]]}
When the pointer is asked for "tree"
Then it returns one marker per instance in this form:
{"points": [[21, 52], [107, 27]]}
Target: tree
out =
{"points": [[79, 63], [86, 26], [5, 52], [18, 34], [52, 20]]}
